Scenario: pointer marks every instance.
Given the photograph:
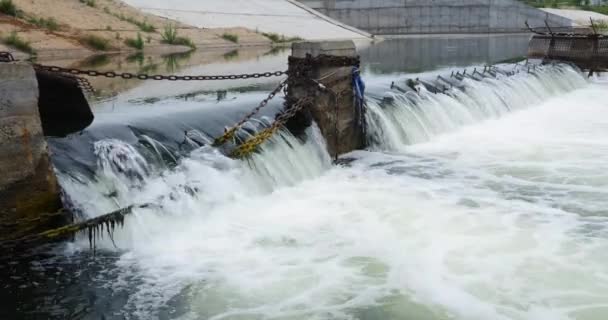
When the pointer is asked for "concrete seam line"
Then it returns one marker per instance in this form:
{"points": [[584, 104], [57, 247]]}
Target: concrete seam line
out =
{"points": [[329, 19]]}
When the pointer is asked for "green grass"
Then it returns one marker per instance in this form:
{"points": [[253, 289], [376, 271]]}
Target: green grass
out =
{"points": [[137, 43], [170, 36], [603, 9], [144, 25], [46, 23], [277, 38], [183, 41], [16, 42], [90, 3], [96, 42], [230, 37], [601, 25], [8, 8]]}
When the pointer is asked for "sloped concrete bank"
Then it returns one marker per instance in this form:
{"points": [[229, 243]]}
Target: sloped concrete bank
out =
{"points": [[283, 17]]}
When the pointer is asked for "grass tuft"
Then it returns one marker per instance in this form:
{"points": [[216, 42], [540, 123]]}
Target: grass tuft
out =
{"points": [[8, 8], [15, 41], [137, 43], [96, 42], [90, 3], [46, 23], [170, 36], [230, 37], [276, 38], [144, 25]]}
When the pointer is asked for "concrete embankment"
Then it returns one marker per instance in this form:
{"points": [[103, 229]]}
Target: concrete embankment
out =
{"points": [[68, 28], [284, 17], [398, 17]]}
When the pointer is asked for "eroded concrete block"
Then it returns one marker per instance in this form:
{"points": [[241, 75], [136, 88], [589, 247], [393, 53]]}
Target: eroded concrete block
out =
{"points": [[333, 109]]}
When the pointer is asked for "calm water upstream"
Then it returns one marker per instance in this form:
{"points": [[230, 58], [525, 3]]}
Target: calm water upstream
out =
{"points": [[487, 202]]}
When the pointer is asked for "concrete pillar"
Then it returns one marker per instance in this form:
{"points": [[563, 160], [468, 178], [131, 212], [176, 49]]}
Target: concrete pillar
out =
{"points": [[29, 194], [333, 109]]}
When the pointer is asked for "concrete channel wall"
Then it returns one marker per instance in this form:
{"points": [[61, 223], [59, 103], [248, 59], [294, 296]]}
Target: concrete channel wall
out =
{"points": [[29, 193], [399, 17]]}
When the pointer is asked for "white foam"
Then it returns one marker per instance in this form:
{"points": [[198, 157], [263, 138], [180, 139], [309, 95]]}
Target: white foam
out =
{"points": [[503, 219]]}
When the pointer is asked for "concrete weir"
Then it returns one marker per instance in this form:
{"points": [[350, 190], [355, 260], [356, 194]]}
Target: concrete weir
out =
{"points": [[29, 194]]}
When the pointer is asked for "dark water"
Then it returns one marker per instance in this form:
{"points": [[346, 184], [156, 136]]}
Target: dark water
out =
{"points": [[56, 283]]}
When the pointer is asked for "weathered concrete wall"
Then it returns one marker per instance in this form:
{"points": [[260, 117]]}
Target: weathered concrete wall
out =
{"points": [[332, 109], [394, 17], [420, 54], [28, 187]]}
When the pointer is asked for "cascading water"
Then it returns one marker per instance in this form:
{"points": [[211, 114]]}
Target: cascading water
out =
{"points": [[414, 118], [477, 212]]}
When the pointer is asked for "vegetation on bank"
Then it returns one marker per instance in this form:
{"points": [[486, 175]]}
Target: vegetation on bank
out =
{"points": [[144, 25], [45, 23], [8, 8], [579, 4], [111, 38], [601, 25], [96, 42], [137, 43], [18, 43], [276, 38], [90, 3], [170, 36], [230, 37]]}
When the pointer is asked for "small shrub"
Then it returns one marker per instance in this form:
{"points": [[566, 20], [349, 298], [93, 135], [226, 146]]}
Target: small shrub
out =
{"points": [[46, 23], [145, 26], [169, 36], [230, 37], [137, 43], [15, 41], [96, 42], [90, 3], [8, 8], [601, 25], [276, 38], [183, 41], [142, 25]]}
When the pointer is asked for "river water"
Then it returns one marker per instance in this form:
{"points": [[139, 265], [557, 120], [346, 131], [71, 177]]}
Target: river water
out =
{"points": [[487, 202]]}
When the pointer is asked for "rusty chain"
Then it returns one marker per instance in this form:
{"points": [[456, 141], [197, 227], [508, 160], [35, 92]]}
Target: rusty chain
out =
{"points": [[252, 144], [230, 133]]}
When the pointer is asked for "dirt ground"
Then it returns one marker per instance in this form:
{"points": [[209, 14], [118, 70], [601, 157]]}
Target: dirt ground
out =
{"points": [[112, 20]]}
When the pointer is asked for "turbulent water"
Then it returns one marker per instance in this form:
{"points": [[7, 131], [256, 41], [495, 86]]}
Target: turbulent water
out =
{"points": [[487, 202]]}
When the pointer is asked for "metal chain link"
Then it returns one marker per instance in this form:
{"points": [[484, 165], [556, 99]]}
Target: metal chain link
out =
{"points": [[249, 146], [6, 57], [143, 76], [229, 134]]}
